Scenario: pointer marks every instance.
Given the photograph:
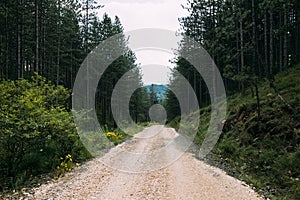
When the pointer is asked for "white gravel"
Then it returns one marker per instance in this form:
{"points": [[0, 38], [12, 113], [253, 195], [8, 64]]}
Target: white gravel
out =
{"points": [[185, 179]]}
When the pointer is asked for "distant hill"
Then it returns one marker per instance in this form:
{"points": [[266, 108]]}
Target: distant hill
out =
{"points": [[160, 90]]}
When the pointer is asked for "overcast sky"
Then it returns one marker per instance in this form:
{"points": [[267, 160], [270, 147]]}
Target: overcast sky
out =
{"points": [[137, 14]]}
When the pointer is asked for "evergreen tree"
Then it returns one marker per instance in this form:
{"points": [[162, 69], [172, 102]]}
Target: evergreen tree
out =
{"points": [[153, 95], [248, 40]]}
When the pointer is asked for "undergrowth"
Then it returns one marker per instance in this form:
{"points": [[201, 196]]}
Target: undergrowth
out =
{"points": [[263, 152]]}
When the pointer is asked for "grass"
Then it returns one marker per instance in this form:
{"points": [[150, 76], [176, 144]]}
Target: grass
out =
{"points": [[266, 152]]}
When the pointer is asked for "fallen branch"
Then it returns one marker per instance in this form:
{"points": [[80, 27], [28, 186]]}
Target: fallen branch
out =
{"points": [[281, 97]]}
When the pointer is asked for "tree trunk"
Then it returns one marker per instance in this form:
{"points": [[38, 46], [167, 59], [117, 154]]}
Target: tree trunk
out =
{"points": [[58, 45], [266, 43], [254, 58], [18, 40], [256, 66], [297, 42], [1, 56], [195, 84], [238, 58], [71, 65], [21, 45], [242, 44], [44, 63], [37, 36], [257, 100], [19, 18], [242, 54], [285, 39], [271, 45], [86, 27], [280, 45], [6, 43], [86, 51], [214, 57], [200, 93]]}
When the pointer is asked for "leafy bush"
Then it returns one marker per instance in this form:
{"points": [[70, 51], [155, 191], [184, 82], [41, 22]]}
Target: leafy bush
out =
{"points": [[36, 130]]}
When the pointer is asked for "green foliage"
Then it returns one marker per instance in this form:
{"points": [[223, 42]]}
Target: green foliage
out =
{"points": [[112, 75], [248, 41], [67, 32], [264, 152], [36, 130]]}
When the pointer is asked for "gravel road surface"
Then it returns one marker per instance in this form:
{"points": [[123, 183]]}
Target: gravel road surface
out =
{"points": [[185, 178]]}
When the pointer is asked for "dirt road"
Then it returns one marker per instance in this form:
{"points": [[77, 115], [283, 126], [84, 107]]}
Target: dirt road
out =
{"points": [[186, 178]]}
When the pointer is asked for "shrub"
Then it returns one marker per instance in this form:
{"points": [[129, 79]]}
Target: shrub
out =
{"points": [[36, 130]]}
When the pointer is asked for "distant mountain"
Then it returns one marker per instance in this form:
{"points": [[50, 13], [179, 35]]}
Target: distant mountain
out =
{"points": [[160, 90]]}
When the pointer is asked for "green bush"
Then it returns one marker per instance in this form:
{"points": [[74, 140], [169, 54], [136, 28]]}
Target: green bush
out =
{"points": [[36, 129]]}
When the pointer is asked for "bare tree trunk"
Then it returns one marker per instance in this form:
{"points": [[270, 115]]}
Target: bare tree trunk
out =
{"points": [[188, 94], [19, 53], [200, 92], [254, 58], [21, 45], [256, 66], [86, 51], [280, 45], [257, 100], [58, 45], [297, 42], [271, 45], [242, 53], [86, 27], [280, 53], [37, 36], [266, 43], [1, 56], [195, 82], [71, 70], [214, 81], [44, 71], [285, 39], [238, 58], [242, 44], [19, 41], [6, 43]]}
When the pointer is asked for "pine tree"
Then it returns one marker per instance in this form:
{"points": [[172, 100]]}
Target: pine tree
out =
{"points": [[248, 40], [153, 95]]}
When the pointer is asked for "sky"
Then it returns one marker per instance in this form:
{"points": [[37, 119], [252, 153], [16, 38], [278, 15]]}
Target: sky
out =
{"points": [[138, 14]]}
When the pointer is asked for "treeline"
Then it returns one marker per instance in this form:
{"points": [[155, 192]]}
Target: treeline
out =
{"points": [[42, 46], [52, 38], [248, 40]]}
